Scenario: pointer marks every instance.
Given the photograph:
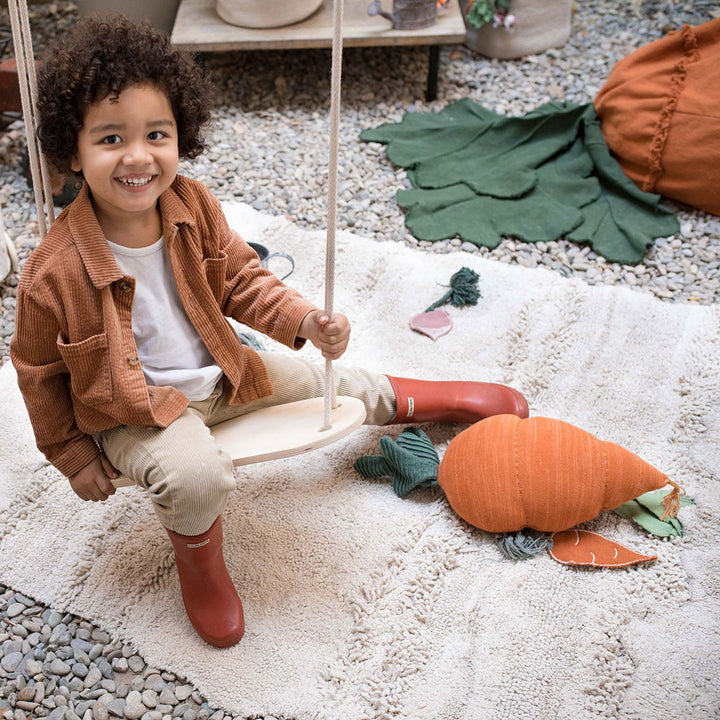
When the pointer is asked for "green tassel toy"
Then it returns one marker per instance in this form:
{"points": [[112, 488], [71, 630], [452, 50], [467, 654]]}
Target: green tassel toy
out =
{"points": [[463, 290]]}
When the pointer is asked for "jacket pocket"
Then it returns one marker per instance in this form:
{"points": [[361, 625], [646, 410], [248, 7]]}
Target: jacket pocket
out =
{"points": [[89, 364], [215, 269]]}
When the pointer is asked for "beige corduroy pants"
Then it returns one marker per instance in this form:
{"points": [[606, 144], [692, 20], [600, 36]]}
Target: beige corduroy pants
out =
{"points": [[186, 474]]}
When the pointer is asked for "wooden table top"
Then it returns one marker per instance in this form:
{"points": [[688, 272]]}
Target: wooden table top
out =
{"points": [[199, 28]]}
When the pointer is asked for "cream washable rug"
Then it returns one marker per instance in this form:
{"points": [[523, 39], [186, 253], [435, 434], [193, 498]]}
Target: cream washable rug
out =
{"points": [[362, 605]]}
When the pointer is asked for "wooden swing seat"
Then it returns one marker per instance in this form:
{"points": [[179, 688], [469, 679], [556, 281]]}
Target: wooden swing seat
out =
{"points": [[282, 431]]}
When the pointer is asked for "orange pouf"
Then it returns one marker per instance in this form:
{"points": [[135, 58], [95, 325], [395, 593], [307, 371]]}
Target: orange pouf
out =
{"points": [[504, 474], [660, 115]]}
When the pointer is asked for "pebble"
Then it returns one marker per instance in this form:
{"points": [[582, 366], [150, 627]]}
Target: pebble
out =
{"points": [[80, 670], [136, 663], [134, 707], [15, 609], [11, 646], [116, 707], [183, 692], [11, 661], [149, 698], [100, 636], [81, 657], [58, 667], [20, 631], [54, 618], [137, 683], [33, 625], [280, 168], [105, 668], [93, 677], [167, 697], [80, 645], [120, 665], [27, 693], [100, 711], [155, 682]]}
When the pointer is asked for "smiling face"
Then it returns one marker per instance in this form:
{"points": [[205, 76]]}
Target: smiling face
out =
{"points": [[128, 154]]}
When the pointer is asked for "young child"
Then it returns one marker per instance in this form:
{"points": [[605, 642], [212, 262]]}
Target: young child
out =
{"points": [[123, 353]]}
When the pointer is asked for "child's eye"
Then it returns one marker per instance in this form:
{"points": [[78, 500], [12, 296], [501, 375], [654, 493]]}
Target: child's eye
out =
{"points": [[111, 140], [156, 135]]}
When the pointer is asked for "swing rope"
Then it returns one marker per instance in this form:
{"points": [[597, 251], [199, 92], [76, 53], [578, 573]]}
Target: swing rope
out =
{"points": [[335, 86], [24, 57]]}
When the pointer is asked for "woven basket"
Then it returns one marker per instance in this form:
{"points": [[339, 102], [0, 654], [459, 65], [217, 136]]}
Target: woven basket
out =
{"points": [[265, 13]]}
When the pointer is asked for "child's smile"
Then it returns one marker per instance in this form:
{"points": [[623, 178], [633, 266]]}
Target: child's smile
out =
{"points": [[128, 154], [135, 182]]}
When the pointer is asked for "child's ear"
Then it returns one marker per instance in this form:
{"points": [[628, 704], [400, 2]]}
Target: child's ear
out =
{"points": [[75, 165]]}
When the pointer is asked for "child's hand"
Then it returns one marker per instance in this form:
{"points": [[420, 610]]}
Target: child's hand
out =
{"points": [[329, 335], [93, 481]]}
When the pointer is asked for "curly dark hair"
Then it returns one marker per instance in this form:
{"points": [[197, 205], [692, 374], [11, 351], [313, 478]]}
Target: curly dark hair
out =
{"points": [[102, 56]]}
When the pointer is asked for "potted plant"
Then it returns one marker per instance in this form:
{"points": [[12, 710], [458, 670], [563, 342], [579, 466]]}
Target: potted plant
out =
{"points": [[515, 28]]}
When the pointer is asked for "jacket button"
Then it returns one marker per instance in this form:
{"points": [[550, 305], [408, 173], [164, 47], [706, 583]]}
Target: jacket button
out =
{"points": [[133, 360], [125, 286]]}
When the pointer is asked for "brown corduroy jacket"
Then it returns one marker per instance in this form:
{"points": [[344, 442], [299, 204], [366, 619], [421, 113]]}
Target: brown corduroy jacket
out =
{"points": [[73, 347]]}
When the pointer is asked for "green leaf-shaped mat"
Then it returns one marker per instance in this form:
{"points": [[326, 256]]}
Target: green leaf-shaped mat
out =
{"points": [[539, 177]]}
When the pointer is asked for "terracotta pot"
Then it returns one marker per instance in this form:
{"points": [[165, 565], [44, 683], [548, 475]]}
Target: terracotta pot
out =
{"points": [[265, 13], [541, 24], [161, 13]]}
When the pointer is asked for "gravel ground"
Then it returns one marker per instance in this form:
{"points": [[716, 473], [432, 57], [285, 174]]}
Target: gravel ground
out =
{"points": [[269, 149]]}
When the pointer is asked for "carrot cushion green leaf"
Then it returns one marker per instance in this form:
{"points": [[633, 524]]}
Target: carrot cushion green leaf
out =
{"points": [[647, 510]]}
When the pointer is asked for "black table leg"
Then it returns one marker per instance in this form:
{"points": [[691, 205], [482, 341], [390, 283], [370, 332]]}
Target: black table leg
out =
{"points": [[432, 79]]}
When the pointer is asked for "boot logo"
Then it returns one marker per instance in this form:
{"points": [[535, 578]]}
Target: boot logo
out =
{"points": [[411, 407], [197, 545]]}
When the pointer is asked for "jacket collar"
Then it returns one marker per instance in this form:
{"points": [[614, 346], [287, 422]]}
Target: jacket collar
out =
{"points": [[173, 210], [90, 241]]}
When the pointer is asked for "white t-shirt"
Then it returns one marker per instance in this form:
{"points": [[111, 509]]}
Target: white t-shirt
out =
{"points": [[169, 348]]}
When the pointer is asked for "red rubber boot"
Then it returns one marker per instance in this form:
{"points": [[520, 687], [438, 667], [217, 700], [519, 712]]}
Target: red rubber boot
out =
{"points": [[453, 401], [210, 598]]}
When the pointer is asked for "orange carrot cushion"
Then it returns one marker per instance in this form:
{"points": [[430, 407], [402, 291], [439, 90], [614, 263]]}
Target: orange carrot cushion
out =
{"points": [[504, 473], [660, 115]]}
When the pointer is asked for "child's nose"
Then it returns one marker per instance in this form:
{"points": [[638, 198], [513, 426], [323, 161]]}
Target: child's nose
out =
{"points": [[137, 153]]}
